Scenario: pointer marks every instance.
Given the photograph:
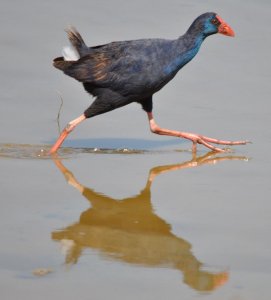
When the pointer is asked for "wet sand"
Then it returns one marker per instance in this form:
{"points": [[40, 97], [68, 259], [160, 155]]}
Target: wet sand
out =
{"points": [[121, 213]]}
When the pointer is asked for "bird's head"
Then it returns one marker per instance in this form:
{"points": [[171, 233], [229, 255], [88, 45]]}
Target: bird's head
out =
{"points": [[210, 23]]}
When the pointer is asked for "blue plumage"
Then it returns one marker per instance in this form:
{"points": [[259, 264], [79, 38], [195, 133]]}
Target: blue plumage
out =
{"points": [[183, 58]]}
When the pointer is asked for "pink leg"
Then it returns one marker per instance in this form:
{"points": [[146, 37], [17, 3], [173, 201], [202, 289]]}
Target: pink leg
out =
{"points": [[69, 128], [195, 138]]}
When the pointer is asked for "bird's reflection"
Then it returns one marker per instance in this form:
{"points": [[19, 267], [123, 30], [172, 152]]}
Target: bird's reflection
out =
{"points": [[129, 230]]}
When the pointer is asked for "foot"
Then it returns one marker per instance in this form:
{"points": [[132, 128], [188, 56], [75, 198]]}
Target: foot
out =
{"points": [[195, 138]]}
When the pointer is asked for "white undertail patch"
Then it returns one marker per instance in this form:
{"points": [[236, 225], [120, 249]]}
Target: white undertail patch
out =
{"points": [[70, 54]]}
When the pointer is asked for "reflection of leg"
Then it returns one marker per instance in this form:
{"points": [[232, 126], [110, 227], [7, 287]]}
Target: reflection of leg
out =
{"points": [[69, 176], [195, 138], [68, 129], [210, 158]]}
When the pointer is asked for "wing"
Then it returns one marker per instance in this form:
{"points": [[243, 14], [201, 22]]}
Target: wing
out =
{"points": [[129, 67]]}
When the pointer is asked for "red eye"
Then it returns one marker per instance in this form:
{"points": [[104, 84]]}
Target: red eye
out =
{"points": [[215, 21]]}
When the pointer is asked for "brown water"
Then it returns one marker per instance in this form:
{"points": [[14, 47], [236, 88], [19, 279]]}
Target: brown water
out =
{"points": [[121, 213]]}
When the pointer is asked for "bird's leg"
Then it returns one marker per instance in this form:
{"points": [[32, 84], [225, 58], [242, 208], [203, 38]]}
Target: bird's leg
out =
{"points": [[69, 128], [195, 138]]}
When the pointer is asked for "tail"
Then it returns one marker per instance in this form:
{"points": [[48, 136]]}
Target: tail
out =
{"points": [[71, 53], [77, 49], [77, 41]]}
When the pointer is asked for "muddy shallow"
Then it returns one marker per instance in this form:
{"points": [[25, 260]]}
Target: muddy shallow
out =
{"points": [[121, 213]]}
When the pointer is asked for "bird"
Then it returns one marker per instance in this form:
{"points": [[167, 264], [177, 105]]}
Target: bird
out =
{"points": [[122, 72]]}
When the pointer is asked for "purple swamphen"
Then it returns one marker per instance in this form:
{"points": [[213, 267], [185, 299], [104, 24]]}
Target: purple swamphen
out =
{"points": [[120, 73]]}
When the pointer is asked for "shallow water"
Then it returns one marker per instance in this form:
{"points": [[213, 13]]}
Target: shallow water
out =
{"points": [[120, 213]]}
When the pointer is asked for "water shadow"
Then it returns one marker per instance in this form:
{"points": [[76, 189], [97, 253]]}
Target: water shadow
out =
{"points": [[129, 230], [116, 143]]}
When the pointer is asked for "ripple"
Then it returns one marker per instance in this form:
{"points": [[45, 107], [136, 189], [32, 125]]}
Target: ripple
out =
{"points": [[32, 151], [23, 151]]}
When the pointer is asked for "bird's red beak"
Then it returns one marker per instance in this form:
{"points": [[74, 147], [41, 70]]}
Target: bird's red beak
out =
{"points": [[224, 28]]}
